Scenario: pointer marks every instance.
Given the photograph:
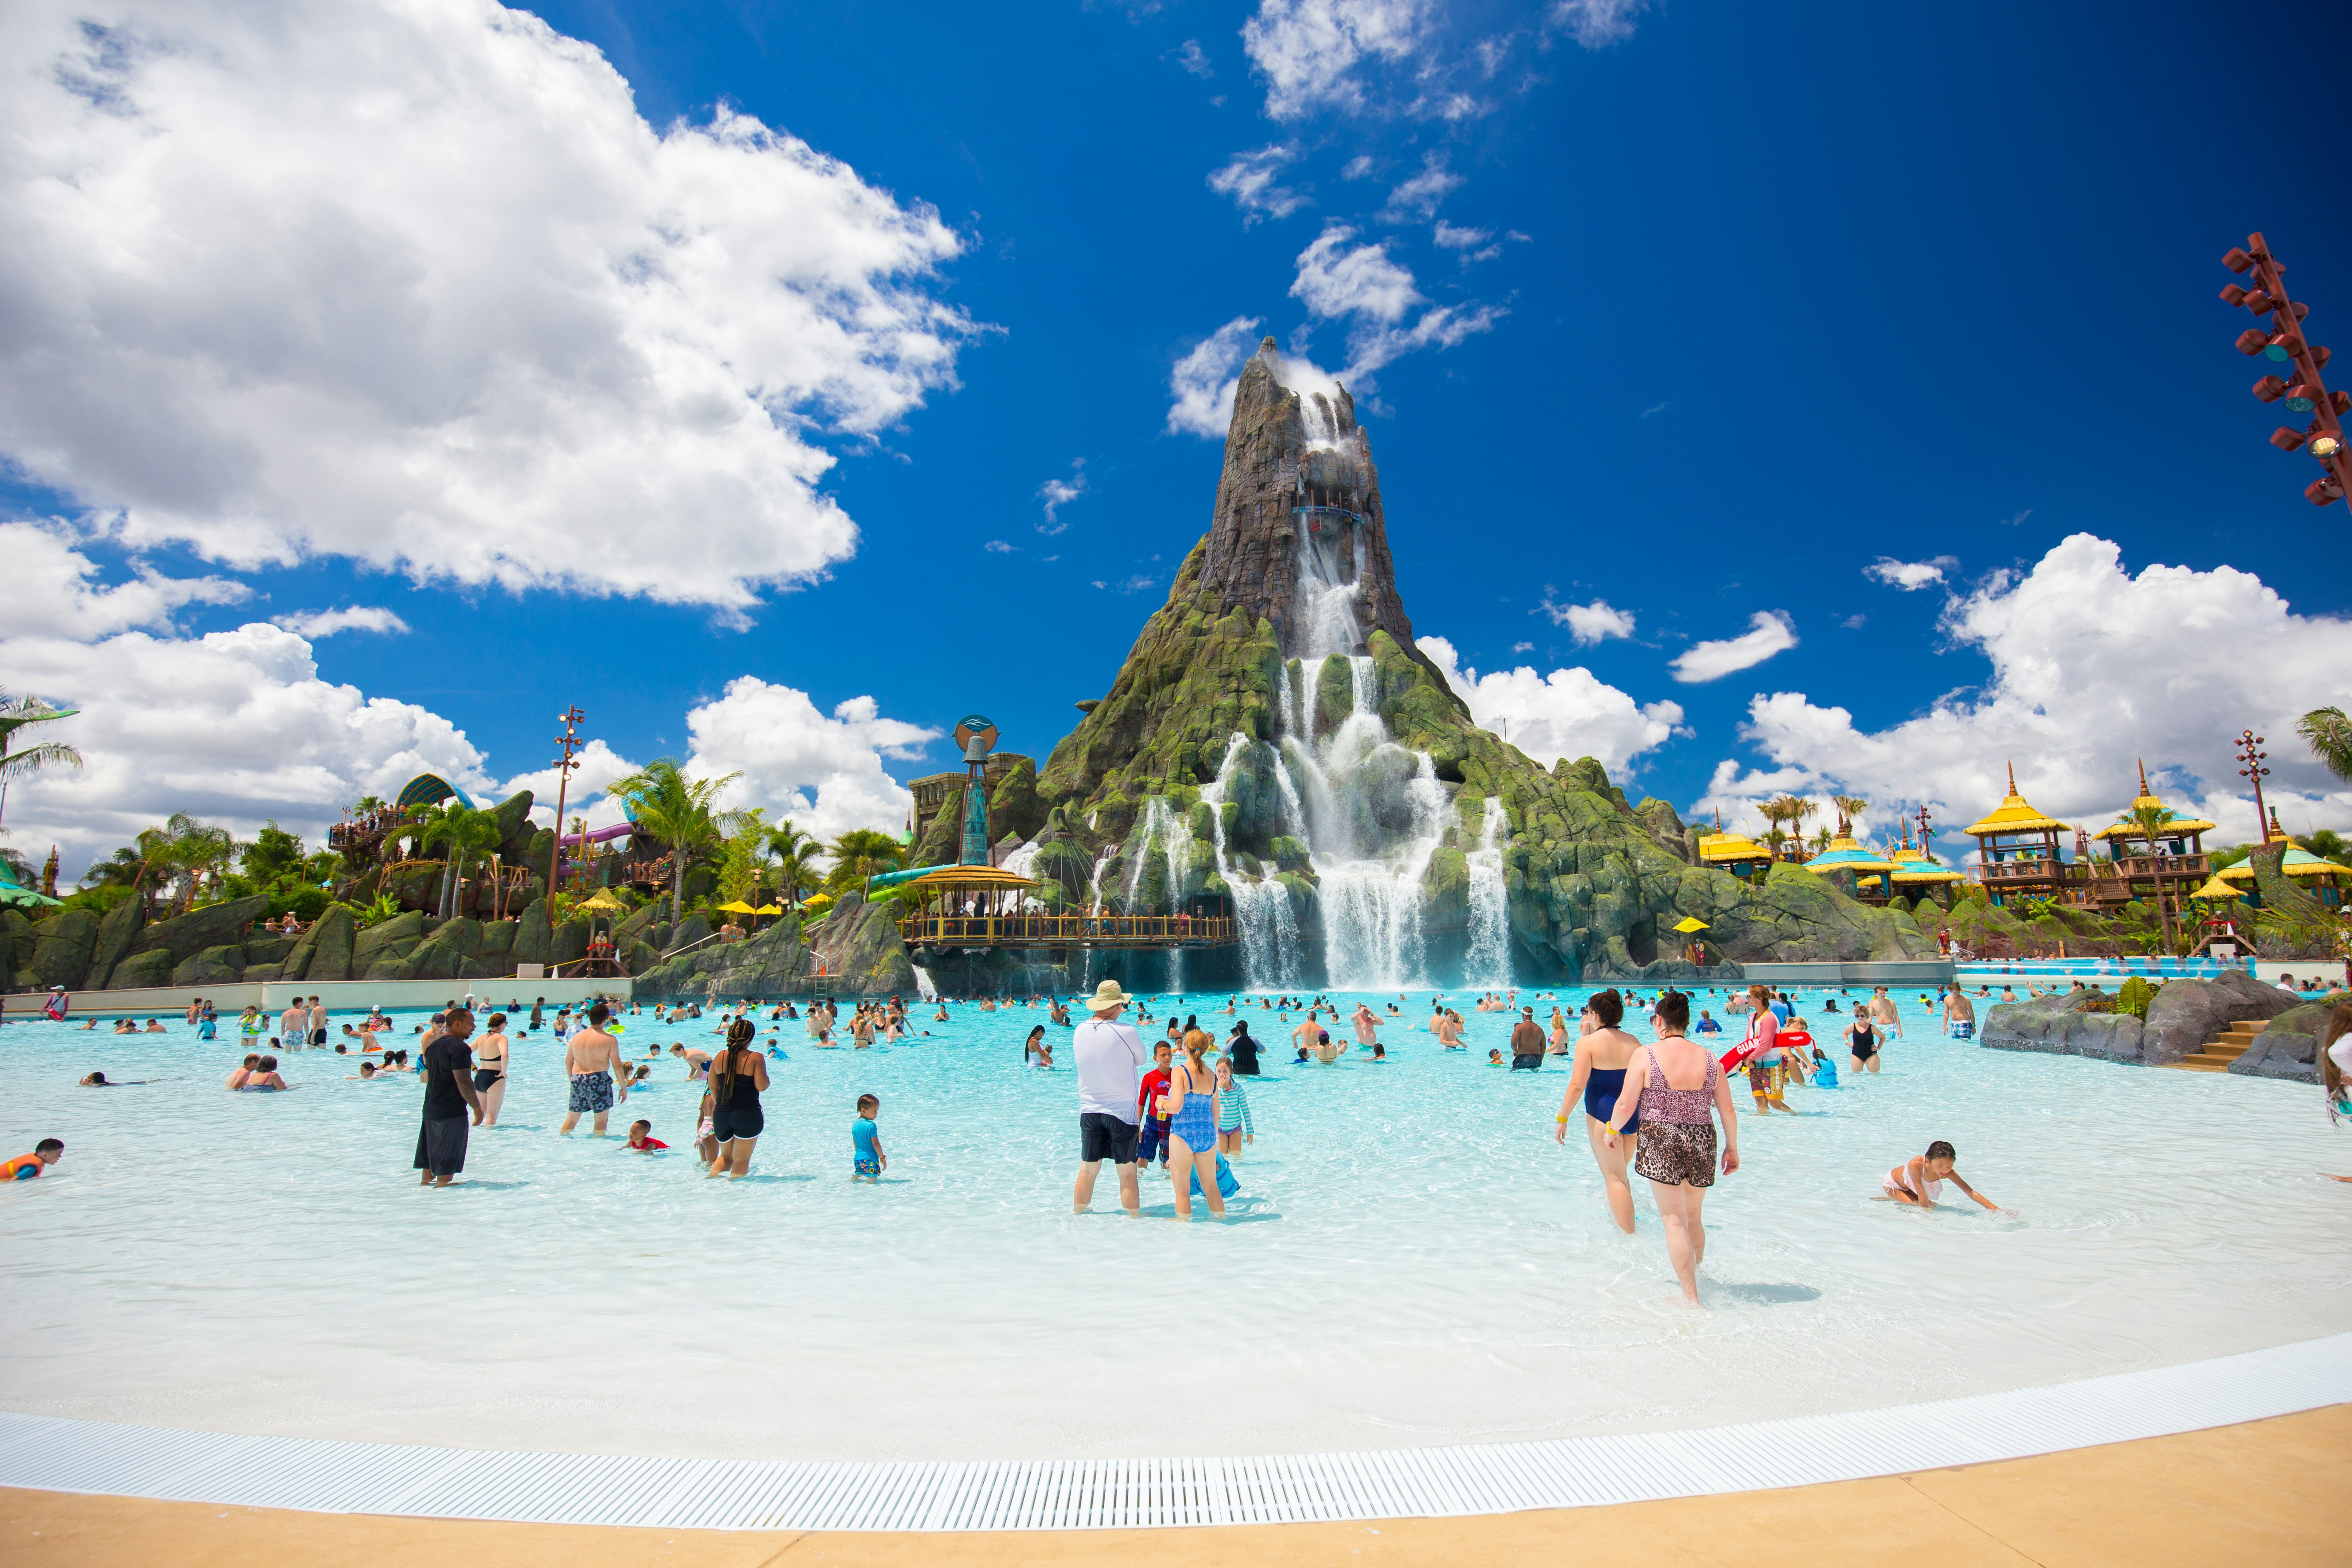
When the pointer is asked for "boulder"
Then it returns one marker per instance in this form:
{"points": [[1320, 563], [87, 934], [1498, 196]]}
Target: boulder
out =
{"points": [[497, 944], [1013, 807], [2187, 1014], [16, 942], [692, 932], [769, 965], [269, 948], [61, 948], [152, 967], [516, 833], [401, 932], [186, 935], [570, 942], [861, 945], [534, 941], [212, 966], [440, 956], [118, 933], [2288, 1046], [333, 940]]}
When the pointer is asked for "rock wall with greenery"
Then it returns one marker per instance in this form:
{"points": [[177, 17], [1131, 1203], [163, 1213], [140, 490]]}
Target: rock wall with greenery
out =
{"points": [[1594, 888]]}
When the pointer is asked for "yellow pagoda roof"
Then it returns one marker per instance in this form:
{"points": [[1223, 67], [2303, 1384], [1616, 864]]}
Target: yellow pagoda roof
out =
{"points": [[2216, 887], [2014, 814], [1844, 855], [2123, 827], [1724, 846]]}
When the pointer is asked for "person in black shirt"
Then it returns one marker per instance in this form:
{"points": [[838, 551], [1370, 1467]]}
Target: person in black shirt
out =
{"points": [[1242, 1049], [448, 1066]]}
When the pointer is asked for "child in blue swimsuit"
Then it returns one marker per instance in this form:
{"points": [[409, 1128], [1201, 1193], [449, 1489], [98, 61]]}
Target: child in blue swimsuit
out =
{"points": [[865, 1141]]}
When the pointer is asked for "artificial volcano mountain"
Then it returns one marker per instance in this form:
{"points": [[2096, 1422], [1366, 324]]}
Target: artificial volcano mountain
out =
{"points": [[1274, 738]]}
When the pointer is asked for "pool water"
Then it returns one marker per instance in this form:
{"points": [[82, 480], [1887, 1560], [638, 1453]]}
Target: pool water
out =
{"points": [[1411, 1259]]}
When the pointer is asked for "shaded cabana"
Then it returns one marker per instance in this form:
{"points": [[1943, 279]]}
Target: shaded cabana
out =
{"points": [[2018, 846]]}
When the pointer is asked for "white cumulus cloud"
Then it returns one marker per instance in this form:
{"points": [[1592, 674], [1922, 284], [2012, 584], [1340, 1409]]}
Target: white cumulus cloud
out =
{"points": [[1473, 243], [1059, 493], [1419, 196], [1337, 278], [1910, 575], [1596, 24], [1769, 632], [1313, 54], [316, 624], [1200, 386], [2092, 668], [1568, 714], [822, 771], [234, 727], [415, 284], [1589, 623], [53, 590], [1250, 180]]}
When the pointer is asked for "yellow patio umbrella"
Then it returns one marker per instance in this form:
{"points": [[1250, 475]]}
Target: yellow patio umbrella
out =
{"points": [[767, 910], [737, 906], [2217, 890], [1689, 923]]}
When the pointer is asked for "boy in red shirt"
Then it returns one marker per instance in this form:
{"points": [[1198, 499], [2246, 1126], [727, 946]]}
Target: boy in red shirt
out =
{"points": [[1153, 1142], [641, 1137]]}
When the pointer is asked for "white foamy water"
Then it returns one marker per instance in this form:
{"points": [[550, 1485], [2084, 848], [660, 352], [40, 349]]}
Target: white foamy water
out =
{"points": [[1412, 1259]]}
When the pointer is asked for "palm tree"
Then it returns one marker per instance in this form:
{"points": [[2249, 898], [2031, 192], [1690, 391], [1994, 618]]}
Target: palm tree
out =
{"points": [[862, 854], [1791, 810], [2330, 734], [1850, 810], [25, 761], [2149, 823], [795, 854], [467, 832], [677, 810]]}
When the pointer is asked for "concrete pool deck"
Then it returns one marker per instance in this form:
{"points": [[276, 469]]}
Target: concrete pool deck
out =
{"points": [[2267, 1492]]}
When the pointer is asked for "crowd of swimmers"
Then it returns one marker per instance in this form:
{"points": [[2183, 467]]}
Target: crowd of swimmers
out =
{"points": [[1650, 1109]]}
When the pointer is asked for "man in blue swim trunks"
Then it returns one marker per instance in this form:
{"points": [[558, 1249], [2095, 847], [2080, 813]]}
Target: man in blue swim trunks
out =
{"points": [[593, 1058]]}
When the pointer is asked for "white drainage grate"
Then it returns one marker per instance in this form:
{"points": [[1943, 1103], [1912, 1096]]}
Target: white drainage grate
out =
{"points": [[51, 1454]]}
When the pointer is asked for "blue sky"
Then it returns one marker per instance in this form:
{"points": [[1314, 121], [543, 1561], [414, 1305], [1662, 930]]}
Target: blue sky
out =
{"points": [[1691, 311]]}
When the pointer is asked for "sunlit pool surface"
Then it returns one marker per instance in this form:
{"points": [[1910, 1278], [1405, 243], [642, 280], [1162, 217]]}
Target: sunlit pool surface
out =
{"points": [[1412, 1259]]}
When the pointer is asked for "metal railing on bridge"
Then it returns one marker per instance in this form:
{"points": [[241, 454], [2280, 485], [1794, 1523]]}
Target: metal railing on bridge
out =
{"points": [[1068, 930]]}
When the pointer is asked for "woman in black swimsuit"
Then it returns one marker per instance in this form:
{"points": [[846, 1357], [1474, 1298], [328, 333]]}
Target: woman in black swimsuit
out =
{"points": [[737, 1075], [1861, 1038], [490, 1069]]}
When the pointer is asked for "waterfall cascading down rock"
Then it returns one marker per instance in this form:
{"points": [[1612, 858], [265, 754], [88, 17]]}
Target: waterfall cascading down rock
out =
{"points": [[1313, 768], [1490, 906], [1369, 812]]}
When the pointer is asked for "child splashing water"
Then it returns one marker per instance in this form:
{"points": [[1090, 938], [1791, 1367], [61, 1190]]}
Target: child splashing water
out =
{"points": [[1919, 1180]]}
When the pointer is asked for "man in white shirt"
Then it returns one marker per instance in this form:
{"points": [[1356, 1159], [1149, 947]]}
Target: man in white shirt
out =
{"points": [[1110, 1057]]}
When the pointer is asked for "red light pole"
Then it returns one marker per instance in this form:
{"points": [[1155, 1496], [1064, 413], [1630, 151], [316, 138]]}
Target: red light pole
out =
{"points": [[569, 739], [2251, 752], [2282, 342]]}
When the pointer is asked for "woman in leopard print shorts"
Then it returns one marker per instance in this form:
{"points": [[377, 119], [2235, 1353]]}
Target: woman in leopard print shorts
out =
{"points": [[1677, 1152]]}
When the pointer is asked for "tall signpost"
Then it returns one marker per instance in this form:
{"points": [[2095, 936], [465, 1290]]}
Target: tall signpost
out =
{"points": [[572, 719], [977, 736], [2301, 390]]}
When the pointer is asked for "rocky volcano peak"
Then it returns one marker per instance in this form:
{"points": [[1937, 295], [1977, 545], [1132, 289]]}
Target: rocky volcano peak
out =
{"points": [[1298, 467]]}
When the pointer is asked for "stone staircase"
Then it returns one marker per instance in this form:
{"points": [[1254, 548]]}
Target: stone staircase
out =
{"points": [[2216, 1055]]}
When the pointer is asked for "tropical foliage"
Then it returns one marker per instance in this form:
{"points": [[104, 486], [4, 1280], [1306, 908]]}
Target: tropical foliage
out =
{"points": [[859, 854], [23, 762], [682, 813], [796, 854], [468, 831], [2329, 732], [743, 868]]}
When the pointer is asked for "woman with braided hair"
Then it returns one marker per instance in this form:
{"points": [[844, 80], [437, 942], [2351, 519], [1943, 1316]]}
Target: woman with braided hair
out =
{"points": [[738, 1076]]}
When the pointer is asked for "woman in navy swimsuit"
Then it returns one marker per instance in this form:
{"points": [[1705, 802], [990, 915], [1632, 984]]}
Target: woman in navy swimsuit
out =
{"points": [[1602, 1058]]}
